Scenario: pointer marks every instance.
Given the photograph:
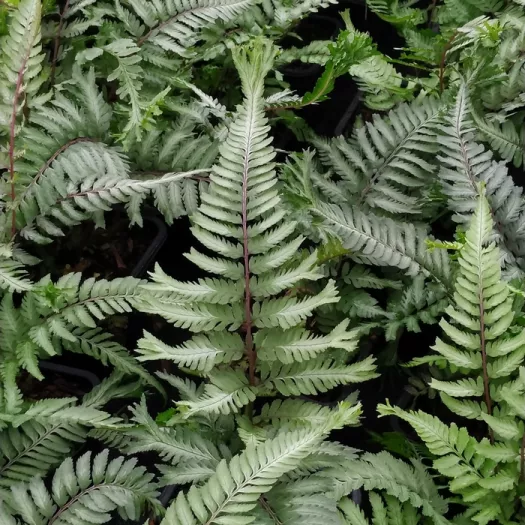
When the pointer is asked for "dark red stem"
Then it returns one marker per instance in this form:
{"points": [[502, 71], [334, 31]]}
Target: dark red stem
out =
{"points": [[12, 134]]}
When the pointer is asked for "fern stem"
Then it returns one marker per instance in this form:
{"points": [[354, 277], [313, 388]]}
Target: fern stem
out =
{"points": [[266, 506], [486, 389], [12, 133], [522, 458], [56, 45], [249, 349]]}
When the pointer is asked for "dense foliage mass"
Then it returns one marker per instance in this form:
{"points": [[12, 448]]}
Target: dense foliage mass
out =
{"points": [[317, 266]]}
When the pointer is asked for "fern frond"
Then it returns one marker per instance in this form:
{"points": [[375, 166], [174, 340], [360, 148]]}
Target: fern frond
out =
{"points": [[314, 376], [383, 242], [175, 446], [99, 345], [387, 163], [466, 164], [226, 392], [35, 447], [297, 344], [201, 353], [118, 483], [242, 220], [13, 276], [21, 70], [76, 305], [176, 26], [237, 485], [407, 483], [479, 339]]}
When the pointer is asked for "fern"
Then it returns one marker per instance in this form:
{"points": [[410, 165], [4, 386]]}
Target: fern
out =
{"points": [[64, 315], [466, 164], [407, 483], [119, 483], [35, 446], [386, 165], [241, 218], [175, 26], [384, 242], [238, 485], [484, 351], [386, 510]]}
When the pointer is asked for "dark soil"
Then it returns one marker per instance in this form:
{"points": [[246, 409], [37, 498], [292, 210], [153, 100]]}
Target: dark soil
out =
{"points": [[97, 252]]}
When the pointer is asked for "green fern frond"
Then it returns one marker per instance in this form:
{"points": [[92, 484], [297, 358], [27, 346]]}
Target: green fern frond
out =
{"points": [[459, 458], [118, 483], [479, 338], [21, 70], [407, 483], [100, 345], [35, 447], [314, 376], [237, 485]]}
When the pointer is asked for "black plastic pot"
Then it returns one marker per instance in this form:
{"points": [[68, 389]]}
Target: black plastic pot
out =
{"points": [[348, 116], [89, 378], [153, 249]]}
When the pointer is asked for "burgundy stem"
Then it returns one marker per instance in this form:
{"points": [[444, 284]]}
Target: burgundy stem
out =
{"points": [[12, 134]]}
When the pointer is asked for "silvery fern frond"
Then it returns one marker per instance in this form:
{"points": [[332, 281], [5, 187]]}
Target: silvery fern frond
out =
{"points": [[238, 484], [241, 219], [34, 447], [382, 471], [86, 492], [387, 164], [13, 276], [176, 26], [54, 203], [386, 510], [21, 68], [384, 242], [464, 165]]}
